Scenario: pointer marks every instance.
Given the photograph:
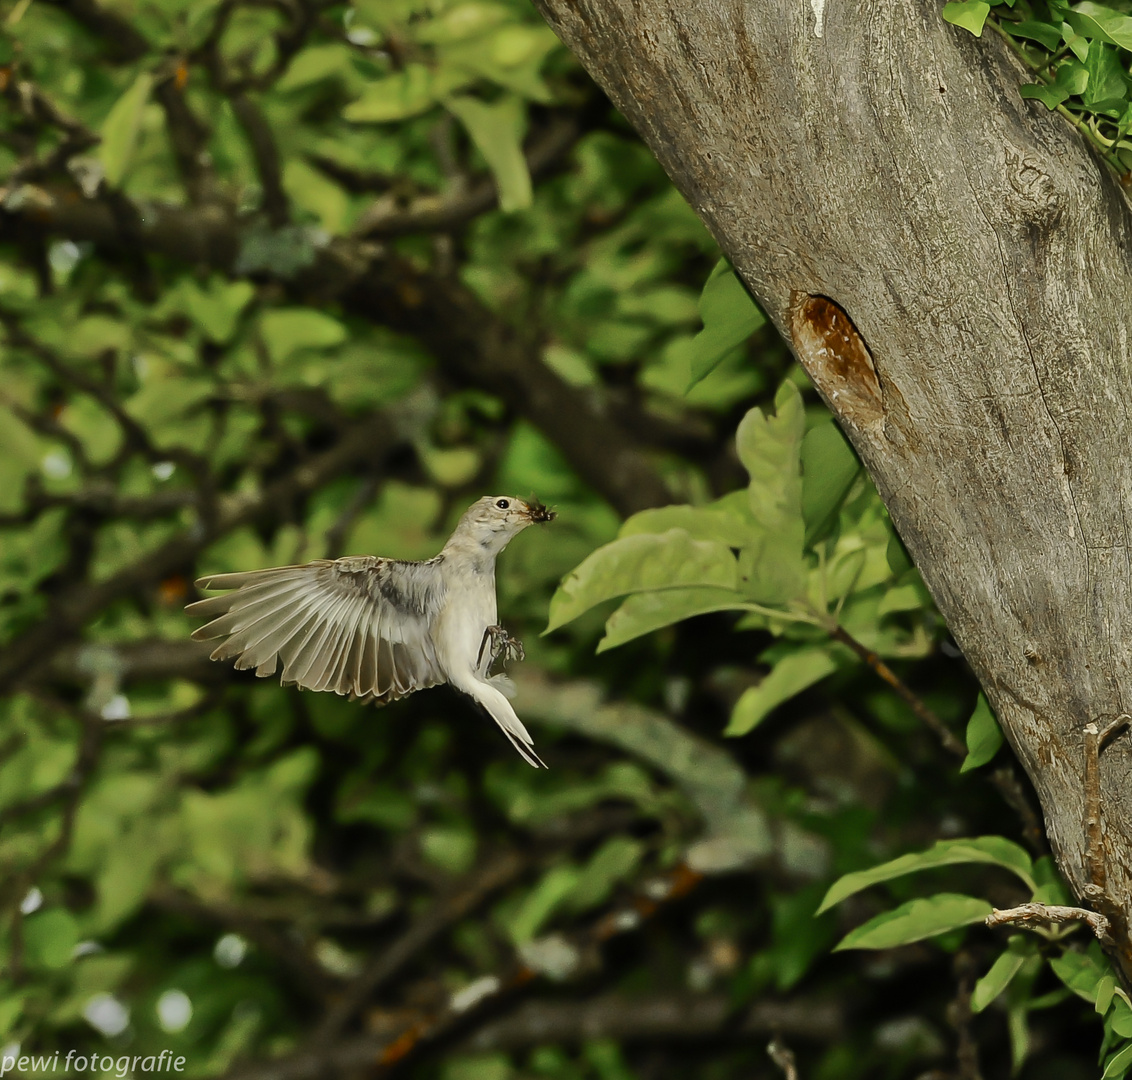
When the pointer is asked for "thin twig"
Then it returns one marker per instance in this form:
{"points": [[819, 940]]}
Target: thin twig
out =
{"points": [[931, 720], [783, 1057], [265, 153], [1033, 914], [1007, 782], [385, 965]]}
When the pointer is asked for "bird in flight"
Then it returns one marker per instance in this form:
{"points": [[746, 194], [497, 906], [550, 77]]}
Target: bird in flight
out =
{"points": [[375, 629]]}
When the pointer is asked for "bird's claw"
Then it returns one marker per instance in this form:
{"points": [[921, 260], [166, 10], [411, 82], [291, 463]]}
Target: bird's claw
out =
{"points": [[503, 645]]}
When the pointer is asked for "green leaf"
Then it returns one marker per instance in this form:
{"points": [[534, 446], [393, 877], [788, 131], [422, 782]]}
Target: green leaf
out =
{"points": [[314, 192], [1077, 44], [1073, 76], [1080, 972], [1119, 1064], [641, 564], [700, 522], [510, 56], [50, 938], [969, 14], [897, 555], [1002, 971], [541, 902], [1049, 96], [10, 1010], [645, 612], [1095, 21], [995, 850], [1107, 86], [984, 736], [772, 567], [451, 848], [1106, 989], [287, 330], [1119, 1019], [410, 92], [829, 467], [119, 130], [20, 454], [614, 861], [460, 21], [314, 64], [790, 676], [916, 920], [497, 130], [1047, 35], [729, 316], [216, 309]]}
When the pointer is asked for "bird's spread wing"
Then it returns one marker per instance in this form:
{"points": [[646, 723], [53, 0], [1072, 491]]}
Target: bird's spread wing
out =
{"points": [[358, 626]]}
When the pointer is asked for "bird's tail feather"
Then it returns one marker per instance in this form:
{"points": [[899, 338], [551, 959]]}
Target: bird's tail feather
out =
{"points": [[499, 708]]}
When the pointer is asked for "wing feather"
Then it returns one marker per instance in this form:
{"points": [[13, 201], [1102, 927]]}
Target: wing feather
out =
{"points": [[357, 626], [316, 654]]}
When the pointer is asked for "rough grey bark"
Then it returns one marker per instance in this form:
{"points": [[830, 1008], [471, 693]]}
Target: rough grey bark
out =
{"points": [[871, 154]]}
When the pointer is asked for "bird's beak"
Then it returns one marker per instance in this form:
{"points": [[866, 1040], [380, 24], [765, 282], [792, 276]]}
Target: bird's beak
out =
{"points": [[538, 513]]}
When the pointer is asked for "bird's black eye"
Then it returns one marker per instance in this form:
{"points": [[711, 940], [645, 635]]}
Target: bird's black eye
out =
{"points": [[503, 504]]}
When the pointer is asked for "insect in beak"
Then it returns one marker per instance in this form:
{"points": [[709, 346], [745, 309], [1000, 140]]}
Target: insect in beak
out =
{"points": [[538, 513]]}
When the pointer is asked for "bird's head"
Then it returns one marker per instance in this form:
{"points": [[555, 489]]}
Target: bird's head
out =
{"points": [[494, 519]]}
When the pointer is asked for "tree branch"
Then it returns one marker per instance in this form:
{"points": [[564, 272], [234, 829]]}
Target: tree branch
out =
{"points": [[265, 153], [465, 898], [655, 1018], [1035, 914]]}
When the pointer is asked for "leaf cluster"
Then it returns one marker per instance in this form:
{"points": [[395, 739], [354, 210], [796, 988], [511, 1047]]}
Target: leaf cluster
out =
{"points": [[1079, 55]]}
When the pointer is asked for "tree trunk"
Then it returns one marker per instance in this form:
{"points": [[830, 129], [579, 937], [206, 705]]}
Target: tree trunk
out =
{"points": [[976, 348]]}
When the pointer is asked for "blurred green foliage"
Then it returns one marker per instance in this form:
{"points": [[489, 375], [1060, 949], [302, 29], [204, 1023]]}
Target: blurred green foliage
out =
{"points": [[294, 280]]}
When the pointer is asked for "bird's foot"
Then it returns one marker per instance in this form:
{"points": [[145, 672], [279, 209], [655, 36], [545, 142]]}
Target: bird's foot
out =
{"points": [[503, 645]]}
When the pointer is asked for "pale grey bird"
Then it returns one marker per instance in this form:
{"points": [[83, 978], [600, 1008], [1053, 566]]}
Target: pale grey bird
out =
{"points": [[377, 629]]}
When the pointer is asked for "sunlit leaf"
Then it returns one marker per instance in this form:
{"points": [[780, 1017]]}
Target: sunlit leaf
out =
{"points": [[715, 522], [120, 129], [984, 736], [1096, 21], [829, 467], [646, 612], [995, 850], [407, 93], [1119, 1064], [969, 14], [1002, 971], [916, 920], [288, 330], [729, 316], [772, 567], [50, 938], [642, 563], [795, 672], [497, 130]]}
